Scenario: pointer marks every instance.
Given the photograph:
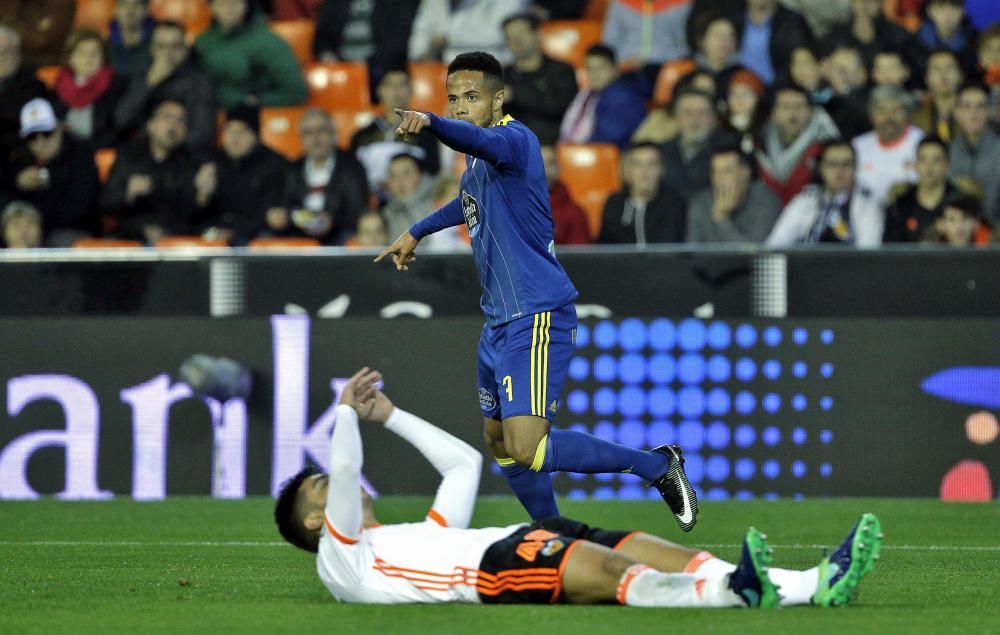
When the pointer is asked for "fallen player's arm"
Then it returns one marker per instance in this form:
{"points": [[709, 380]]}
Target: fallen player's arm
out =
{"points": [[344, 517], [457, 462]]}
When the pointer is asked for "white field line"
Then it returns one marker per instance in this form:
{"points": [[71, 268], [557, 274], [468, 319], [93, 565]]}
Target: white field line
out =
{"points": [[277, 543]]}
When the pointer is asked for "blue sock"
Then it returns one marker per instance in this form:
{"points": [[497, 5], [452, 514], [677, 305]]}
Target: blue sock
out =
{"points": [[533, 489], [572, 451]]}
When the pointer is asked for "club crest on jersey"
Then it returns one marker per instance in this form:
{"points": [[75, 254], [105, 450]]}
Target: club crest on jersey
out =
{"points": [[553, 546], [470, 207], [486, 400]]}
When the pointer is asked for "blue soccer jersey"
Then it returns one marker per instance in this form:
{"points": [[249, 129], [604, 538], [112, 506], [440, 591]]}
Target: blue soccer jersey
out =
{"points": [[504, 201]]}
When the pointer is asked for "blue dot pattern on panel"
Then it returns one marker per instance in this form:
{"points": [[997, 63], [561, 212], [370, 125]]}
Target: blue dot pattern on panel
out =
{"points": [[800, 369], [719, 336], [745, 436], [691, 335], [632, 334], [772, 369], [746, 336], [579, 369], [632, 368], [662, 369], [662, 335], [746, 369], [772, 336], [691, 369], [719, 369], [582, 336]]}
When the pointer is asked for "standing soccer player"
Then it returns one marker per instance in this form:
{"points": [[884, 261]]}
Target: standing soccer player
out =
{"points": [[530, 330]]}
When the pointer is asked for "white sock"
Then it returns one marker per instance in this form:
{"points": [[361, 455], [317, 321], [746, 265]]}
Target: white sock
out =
{"points": [[797, 587], [644, 586]]}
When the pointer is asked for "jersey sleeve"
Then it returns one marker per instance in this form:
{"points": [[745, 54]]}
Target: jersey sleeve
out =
{"points": [[448, 216], [457, 462], [344, 517], [499, 145]]}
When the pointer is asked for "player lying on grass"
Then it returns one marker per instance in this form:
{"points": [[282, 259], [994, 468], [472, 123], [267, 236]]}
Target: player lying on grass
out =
{"points": [[553, 560]]}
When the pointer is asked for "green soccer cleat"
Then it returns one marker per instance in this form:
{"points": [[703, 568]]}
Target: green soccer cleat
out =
{"points": [[842, 571], [750, 580]]}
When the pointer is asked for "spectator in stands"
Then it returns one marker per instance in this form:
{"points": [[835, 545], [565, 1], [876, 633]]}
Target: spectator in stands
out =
{"points": [[250, 65], [847, 102], [887, 154], [151, 188], [645, 210], [42, 25], [768, 35], [745, 112], [890, 68], [18, 86], [647, 33], [296, 10], [791, 141], [833, 210], [660, 126], [130, 33], [444, 28], [804, 70], [989, 59], [558, 9], [372, 231], [87, 89], [243, 179], [328, 188], [687, 158], [870, 31], [21, 226], [537, 89], [610, 109], [568, 219], [410, 198], [378, 142], [943, 77], [715, 48], [946, 26], [960, 223], [822, 15], [371, 31], [172, 73], [975, 148], [737, 208], [916, 207], [55, 173]]}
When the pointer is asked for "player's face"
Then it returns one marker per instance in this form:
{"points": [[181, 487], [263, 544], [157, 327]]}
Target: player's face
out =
{"points": [[470, 98]]}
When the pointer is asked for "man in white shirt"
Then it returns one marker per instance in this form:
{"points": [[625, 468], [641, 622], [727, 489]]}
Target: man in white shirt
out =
{"points": [[556, 559], [888, 154]]}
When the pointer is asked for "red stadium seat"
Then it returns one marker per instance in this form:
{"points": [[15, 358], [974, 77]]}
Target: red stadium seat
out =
{"points": [[299, 35], [568, 40], [195, 15], [283, 243], [279, 130], [590, 172], [670, 73], [105, 243], [187, 242], [347, 122], [338, 85], [105, 158], [94, 14], [47, 75], [429, 91]]}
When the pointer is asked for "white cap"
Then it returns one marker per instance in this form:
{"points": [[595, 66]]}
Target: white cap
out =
{"points": [[37, 116]]}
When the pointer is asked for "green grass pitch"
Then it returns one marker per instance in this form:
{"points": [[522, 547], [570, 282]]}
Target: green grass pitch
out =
{"points": [[195, 565]]}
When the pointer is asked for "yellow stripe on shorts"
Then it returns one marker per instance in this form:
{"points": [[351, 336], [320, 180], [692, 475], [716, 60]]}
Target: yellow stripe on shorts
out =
{"points": [[534, 344]]}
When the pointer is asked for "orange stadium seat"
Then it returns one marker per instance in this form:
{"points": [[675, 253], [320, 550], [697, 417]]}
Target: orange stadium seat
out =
{"points": [[105, 243], [347, 122], [338, 85], [183, 242], [47, 75], [590, 172], [429, 91], [299, 35], [283, 243], [105, 158], [195, 15], [279, 130], [670, 73], [94, 14], [568, 40]]}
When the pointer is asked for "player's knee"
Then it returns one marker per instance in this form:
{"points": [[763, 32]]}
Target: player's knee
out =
{"points": [[615, 564], [522, 448]]}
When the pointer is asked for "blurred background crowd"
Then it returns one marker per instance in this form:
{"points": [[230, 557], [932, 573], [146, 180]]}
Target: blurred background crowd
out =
{"points": [[235, 122]]}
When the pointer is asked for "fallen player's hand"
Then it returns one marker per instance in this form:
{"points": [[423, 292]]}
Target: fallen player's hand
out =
{"points": [[360, 390], [412, 122], [402, 251], [379, 409]]}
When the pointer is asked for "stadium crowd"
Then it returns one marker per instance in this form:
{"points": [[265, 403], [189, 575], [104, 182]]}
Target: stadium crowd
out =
{"points": [[859, 122]]}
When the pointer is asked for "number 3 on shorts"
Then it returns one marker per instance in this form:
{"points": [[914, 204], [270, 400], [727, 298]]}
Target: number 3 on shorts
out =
{"points": [[508, 383]]}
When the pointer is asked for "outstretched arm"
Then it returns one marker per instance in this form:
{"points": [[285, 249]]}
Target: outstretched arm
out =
{"points": [[498, 145], [403, 247]]}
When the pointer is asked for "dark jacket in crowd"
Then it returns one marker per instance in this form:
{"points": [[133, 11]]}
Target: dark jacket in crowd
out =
{"points": [[688, 177], [906, 220], [70, 200], [43, 26], [391, 23], [170, 204], [188, 84], [15, 92], [789, 30], [663, 220], [540, 98], [889, 36], [246, 188], [127, 59], [346, 195]]}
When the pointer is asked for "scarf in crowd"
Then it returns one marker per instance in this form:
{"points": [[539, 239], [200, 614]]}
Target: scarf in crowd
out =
{"points": [[82, 95], [779, 160], [580, 118]]}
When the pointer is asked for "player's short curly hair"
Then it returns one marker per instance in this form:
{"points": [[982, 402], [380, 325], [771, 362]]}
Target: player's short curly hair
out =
{"points": [[485, 63], [286, 512]]}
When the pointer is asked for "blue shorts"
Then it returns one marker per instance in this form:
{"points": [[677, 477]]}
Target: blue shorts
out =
{"points": [[523, 364]]}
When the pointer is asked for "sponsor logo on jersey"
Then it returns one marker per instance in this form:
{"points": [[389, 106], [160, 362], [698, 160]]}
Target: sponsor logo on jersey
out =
{"points": [[486, 400], [470, 207]]}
